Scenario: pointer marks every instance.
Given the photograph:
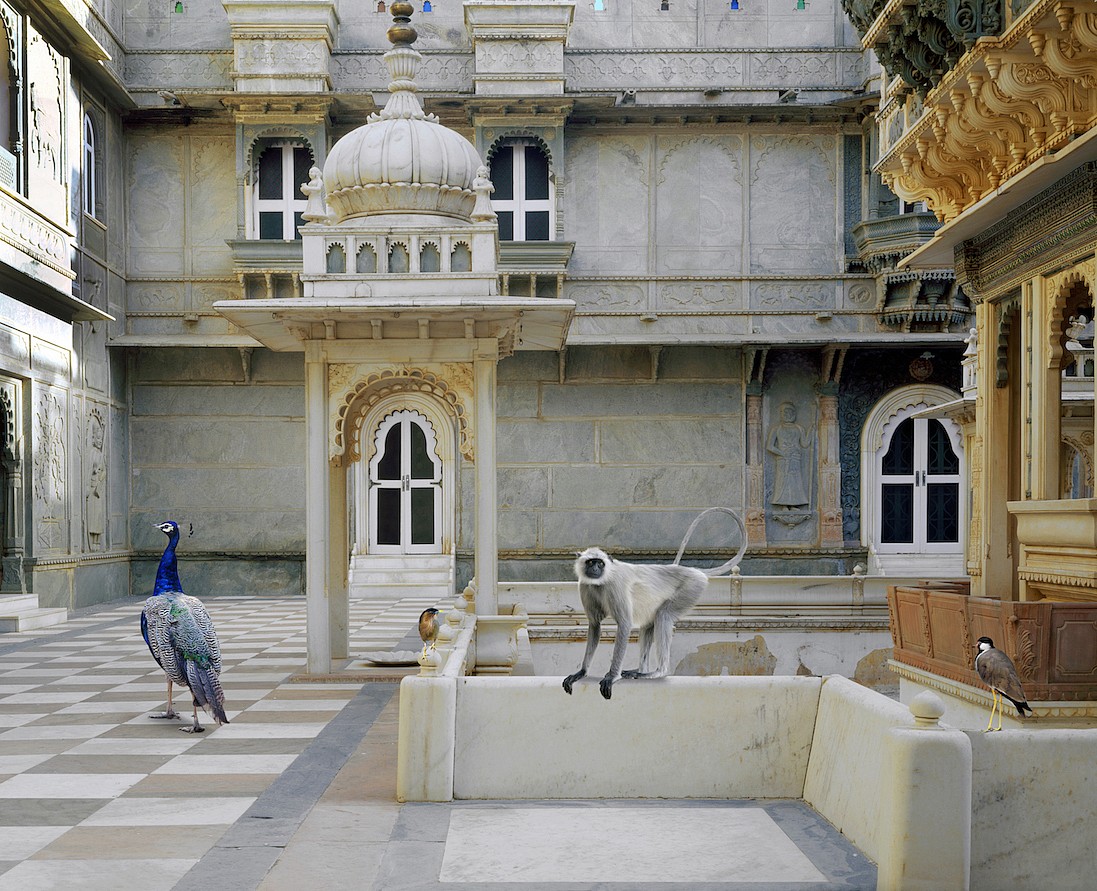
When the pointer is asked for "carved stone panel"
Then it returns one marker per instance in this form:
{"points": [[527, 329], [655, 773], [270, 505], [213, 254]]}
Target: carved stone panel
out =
{"points": [[47, 81], [699, 204], [792, 204], [49, 437], [155, 187], [609, 215]]}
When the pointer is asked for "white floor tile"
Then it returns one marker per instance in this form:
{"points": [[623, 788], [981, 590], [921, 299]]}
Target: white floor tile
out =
{"points": [[95, 875], [17, 764], [169, 745], [621, 845], [199, 765], [69, 785], [56, 731], [268, 731], [169, 812], [21, 842]]}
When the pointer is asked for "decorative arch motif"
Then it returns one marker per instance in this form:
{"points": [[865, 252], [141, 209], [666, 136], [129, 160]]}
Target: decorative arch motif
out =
{"points": [[383, 428], [360, 399], [9, 453], [1058, 290], [280, 132], [519, 133]]}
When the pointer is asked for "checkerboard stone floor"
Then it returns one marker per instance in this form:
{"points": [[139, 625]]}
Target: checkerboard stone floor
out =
{"points": [[298, 792], [95, 794]]}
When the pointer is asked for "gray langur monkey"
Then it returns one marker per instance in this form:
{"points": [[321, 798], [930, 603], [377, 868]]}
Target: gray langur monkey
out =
{"points": [[650, 597]]}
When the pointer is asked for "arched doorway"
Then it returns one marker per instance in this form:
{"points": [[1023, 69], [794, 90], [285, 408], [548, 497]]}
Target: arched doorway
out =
{"points": [[402, 497], [914, 493], [405, 487]]}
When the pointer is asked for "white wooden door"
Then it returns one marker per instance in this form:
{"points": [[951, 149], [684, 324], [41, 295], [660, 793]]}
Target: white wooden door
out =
{"points": [[405, 487]]}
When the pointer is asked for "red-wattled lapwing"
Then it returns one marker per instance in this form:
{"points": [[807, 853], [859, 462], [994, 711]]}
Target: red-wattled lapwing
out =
{"points": [[997, 671]]}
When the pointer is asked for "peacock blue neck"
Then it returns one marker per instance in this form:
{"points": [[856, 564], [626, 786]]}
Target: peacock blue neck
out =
{"points": [[167, 575]]}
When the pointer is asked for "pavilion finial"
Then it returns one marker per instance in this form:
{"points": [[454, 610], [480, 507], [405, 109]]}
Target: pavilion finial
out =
{"points": [[402, 33]]}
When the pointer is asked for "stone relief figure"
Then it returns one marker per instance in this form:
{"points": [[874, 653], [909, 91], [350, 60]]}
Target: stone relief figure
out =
{"points": [[316, 209], [483, 187], [97, 506], [789, 443]]}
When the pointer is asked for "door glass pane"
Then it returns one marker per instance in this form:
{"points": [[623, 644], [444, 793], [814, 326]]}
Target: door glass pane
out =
{"points": [[897, 513], [502, 174], [506, 225], [388, 516], [270, 225], [422, 515], [942, 459], [388, 468], [537, 225], [302, 161], [537, 175], [422, 468], [943, 512], [900, 455], [270, 174]]}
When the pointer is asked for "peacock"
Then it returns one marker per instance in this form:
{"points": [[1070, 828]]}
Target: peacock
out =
{"points": [[182, 639]]}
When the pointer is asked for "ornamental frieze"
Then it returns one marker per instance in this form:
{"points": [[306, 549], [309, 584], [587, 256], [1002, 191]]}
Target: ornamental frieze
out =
{"points": [[184, 70]]}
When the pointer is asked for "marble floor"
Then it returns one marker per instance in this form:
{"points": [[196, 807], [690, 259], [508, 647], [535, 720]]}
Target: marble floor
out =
{"points": [[298, 791]]}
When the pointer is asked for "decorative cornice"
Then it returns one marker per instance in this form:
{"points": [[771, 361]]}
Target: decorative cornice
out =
{"points": [[1004, 104]]}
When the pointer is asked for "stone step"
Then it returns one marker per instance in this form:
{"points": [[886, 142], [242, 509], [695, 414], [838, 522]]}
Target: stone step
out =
{"points": [[378, 592], [31, 620], [16, 603]]}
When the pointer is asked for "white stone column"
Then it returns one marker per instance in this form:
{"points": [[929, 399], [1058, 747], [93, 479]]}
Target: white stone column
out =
{"points": [[487, 547], [317, 511], [338, 563]]}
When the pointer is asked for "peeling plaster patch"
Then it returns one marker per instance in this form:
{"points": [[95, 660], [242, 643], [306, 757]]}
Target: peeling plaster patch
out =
{"points": [[872, 670], [802, 671], [751, 657]]}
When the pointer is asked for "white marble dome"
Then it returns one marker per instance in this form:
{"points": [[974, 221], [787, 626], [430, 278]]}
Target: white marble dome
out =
{"points": [[402, 161]]}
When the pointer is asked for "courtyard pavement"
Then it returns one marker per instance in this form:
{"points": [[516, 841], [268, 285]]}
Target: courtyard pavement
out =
{"points": [[298, 791]]}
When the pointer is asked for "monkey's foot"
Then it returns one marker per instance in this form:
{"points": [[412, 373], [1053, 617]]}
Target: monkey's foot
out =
{"points": [[170, 713], [606, 686], [571, 679]]}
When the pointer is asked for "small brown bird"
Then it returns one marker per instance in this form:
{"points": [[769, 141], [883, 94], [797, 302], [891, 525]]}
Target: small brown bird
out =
{"points": [[997, 671], [429, 623]]}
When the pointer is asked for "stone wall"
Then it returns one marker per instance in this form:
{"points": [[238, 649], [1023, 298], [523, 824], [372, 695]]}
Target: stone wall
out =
{"points": [[618, 446], [218, 447]]}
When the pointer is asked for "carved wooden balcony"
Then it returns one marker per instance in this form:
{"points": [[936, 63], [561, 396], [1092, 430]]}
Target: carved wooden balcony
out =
{"points": [[1053, 644]]}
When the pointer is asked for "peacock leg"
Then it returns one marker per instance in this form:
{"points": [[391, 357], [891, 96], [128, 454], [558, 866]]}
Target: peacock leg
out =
{"points": [[196, 727], [170, 712]]}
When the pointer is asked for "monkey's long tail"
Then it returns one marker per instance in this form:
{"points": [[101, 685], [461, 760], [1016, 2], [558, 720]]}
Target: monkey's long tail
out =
{"points": [[734, 561]]}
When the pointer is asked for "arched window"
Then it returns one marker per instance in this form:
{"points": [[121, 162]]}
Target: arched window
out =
{"points": [[460, 258], [90, 173], [337, 259], [430, 260], [398, 258], [281, 167], [524, 194], [367, 259]]}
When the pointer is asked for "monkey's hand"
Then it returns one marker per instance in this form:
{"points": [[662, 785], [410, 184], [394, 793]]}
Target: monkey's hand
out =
{"points": [[572, 678], [606, 686]]}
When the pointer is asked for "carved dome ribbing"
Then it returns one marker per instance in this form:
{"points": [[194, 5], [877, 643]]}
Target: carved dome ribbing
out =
{"points": [[402, 160]]}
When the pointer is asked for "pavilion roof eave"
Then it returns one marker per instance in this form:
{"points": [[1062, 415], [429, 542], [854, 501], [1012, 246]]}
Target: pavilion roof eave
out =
{"points": [[278, 324]]}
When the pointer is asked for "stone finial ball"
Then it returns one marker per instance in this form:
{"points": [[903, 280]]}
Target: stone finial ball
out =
{"points": [[927, 707]]}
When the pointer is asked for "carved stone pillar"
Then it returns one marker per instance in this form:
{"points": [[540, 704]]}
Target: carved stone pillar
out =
{"points": [[755, 500], [14, 580], [830, 471]]}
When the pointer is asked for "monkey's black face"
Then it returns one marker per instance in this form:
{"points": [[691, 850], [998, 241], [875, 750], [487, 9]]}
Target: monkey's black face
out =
{"points": [[594, 567]]}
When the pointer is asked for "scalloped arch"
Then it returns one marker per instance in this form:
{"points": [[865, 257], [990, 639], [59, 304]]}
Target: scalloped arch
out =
{"points": [[279, 132], [1009, 313], [1060, 290], [518, 133], [361, 398], [7, 426]]}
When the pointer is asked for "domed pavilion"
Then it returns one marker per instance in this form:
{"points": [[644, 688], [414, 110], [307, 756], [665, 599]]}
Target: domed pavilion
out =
{"points": [[402, 328]]}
